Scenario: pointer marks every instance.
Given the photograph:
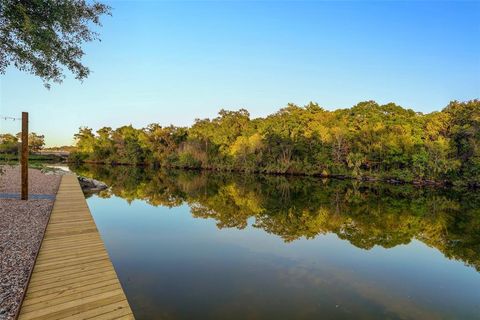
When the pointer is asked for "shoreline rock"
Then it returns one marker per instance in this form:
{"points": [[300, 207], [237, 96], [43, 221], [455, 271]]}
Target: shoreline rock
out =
{"points": [[91, 185]]}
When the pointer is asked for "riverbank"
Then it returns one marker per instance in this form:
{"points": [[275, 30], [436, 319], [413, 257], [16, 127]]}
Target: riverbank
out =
{"points": [[22, 225], [362, 178]]}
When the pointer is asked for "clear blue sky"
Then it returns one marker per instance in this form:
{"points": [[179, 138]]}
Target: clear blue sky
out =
{"points": [[172, 62]]}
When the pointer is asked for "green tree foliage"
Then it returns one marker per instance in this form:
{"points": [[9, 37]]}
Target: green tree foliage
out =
{"points": [[8, 143], [36, 142], [11, 144], [367, 141], [44, 36], [464, 129]]}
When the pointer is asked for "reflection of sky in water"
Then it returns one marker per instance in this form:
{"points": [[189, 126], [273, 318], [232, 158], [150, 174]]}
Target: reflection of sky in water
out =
{"points": [[176, 266]]}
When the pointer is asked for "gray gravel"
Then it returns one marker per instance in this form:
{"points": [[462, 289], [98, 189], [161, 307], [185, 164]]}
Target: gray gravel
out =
{"points": [[22, 224], [39, 183]]}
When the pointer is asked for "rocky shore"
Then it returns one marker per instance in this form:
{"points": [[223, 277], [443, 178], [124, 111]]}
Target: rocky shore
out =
{"points": [[91, 185]]}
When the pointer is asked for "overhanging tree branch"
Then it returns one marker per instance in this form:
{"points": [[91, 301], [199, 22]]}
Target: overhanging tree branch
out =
{"points": [[43, 37]]}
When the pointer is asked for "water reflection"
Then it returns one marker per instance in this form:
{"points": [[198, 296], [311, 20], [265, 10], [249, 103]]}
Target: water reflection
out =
{"points": [[291, 207], [176, 266]]}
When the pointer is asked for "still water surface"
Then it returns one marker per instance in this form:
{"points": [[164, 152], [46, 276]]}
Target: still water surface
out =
{"points": [[190, 245]]}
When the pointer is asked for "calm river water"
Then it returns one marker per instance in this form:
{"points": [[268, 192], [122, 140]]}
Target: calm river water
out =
{"points": [[191, 245]]}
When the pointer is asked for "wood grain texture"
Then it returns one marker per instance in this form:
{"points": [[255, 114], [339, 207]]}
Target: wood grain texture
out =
{"points": [[73, 277]]}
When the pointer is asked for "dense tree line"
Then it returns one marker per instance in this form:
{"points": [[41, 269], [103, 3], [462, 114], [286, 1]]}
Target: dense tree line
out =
{"points": [[365, 214], [366, 141], [10, 144]]}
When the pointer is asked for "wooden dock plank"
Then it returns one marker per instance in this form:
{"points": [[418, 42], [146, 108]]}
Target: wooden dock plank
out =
{"points": [[73, 277], [103, 311]]}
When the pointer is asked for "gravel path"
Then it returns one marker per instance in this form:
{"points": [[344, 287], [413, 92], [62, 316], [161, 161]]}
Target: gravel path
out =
{"points": [[22, 224]]}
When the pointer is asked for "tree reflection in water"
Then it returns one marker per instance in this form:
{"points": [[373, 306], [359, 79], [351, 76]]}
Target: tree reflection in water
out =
{"points": [[365, 214]]}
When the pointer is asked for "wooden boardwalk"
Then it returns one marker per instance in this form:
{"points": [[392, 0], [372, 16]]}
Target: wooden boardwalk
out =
{"points": [[73, 277]]}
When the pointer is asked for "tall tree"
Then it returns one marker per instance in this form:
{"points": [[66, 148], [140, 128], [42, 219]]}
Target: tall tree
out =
{"points": [[36, 142]]}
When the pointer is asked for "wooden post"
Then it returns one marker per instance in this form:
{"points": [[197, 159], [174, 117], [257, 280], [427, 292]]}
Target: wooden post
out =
{"points": [[24, 157]]}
